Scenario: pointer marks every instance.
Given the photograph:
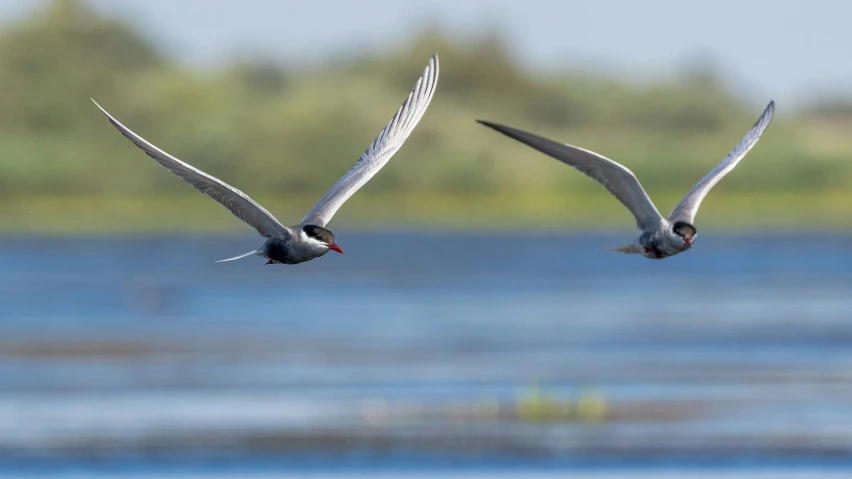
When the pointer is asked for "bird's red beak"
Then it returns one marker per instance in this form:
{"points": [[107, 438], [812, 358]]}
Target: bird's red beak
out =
{"points": [[688, 240], [334, 247]]}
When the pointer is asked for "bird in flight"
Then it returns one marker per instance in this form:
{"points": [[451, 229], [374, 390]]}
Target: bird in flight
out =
{"points": [[661, 237], [310, 239]]}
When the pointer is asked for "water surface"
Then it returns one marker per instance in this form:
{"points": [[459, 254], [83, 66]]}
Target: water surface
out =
{"points": [[414, 350]]}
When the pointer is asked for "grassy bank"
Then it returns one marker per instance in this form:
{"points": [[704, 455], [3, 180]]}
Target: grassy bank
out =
{"points": [[268, 127], [829, 211]]}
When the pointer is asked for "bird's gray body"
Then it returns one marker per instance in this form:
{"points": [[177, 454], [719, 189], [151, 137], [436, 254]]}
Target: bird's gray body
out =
{"points": [[290, 250], [661, 243]]}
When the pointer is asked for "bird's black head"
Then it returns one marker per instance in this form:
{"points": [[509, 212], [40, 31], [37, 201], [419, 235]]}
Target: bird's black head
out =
{"points": [[322, 235], [319, 233], [685, 231]]}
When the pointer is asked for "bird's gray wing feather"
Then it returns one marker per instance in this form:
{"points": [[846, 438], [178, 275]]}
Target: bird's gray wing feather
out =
{"points": [[620, 181], [381, 150], [231, 198], [688, 206]]}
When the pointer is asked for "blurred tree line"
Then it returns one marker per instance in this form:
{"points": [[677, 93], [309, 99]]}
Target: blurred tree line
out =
{"points": [[273, 130]]}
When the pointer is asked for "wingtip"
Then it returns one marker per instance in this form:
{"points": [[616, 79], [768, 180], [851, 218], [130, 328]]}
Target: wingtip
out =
{"points": [[100, 107], [434, 64], [768, 113], [494, 126]]}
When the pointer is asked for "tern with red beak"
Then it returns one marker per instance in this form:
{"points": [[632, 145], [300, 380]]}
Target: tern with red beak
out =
{"points": [[310, 239], [660, 237]]}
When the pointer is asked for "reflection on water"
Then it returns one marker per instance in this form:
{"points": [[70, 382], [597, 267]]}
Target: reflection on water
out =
{"points": [[414, 349]]}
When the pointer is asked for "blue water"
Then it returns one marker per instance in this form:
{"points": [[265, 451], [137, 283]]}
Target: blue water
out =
{"points": [[135, 356]]}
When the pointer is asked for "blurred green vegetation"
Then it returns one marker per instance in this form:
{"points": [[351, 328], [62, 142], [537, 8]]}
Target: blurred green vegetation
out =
{"points": [[284, 134]]}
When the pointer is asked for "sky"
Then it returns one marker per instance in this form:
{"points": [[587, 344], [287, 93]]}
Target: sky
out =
{"points": [[790, 50]]}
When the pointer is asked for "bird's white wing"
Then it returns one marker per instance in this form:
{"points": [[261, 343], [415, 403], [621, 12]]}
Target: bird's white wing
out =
{"points": [[231, 198], [382, 149], [620, 181], [688, 206]]}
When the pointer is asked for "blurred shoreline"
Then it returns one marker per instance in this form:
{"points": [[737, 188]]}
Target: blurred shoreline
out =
{"points": [[283, 134], [825, 211]]}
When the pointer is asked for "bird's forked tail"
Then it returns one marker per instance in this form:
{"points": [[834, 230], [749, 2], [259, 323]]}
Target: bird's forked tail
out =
{"points": [[250, 253], [629, 249]]}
